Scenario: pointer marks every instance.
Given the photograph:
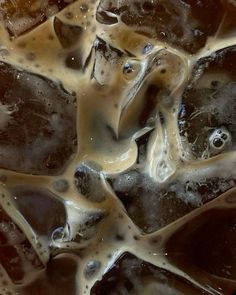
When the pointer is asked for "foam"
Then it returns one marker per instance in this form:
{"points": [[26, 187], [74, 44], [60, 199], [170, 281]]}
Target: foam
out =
{"points": [[107, 126]]}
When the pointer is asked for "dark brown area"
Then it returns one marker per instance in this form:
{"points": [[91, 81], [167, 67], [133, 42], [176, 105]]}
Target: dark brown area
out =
{"points": [[130, 275], [228, 26], [89, 182], [59, 278], [208, 106], [185, 24], [205, 248], [73, 60], [142, 144], [40, 133], [35, 11], [67, 35], [152, 207], [149, 105], [43, 210], [16, 252]]}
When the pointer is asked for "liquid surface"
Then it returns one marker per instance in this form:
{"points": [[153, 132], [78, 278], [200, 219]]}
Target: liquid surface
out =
{"points": [[117, 147]]}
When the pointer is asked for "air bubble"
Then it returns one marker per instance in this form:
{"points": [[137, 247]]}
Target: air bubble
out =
{"points": [[119, 237], [147, 48], [69, 15], [30, 56], [128, 68], [219, 139], [215, 83], [224, 136], [84, 8], [74, 60], [61, 234], [61, 185], [218, 142], [91, 268], [50, 37], [155, 240], [131, 69]]}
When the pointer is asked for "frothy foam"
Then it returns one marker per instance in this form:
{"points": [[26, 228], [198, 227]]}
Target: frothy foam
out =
{"points": [[123, 80]]}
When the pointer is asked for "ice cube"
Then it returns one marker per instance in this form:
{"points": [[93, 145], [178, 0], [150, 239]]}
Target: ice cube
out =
{"points": [[208, 258], [208, 112], [131, 275], [34, 204], [227, 27], [185, 24], [68, 35], [142, 144], [37, 125], [106, 62], [88, 180], [17, 256], [21, 16], [150, 207], [58, 278], [91, 223]]}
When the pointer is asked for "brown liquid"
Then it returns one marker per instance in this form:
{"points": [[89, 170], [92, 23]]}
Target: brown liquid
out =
{"points": [[117, 147]]}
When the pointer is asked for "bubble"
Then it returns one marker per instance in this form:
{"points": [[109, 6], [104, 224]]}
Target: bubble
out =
{"points": [[119, 237], [91, 268], [155, 240], [148, 48], [219, 139], [74, 60], [134, 191], [131, 69], [217, 142], [61, 185], [30, 56], [50, 37], [69, 15], [88, 180], [84, 8], [61, 234], [215, 83]]}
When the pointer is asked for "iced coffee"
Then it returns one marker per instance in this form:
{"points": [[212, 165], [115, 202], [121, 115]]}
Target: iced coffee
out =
{"points": [[117, 147]]}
